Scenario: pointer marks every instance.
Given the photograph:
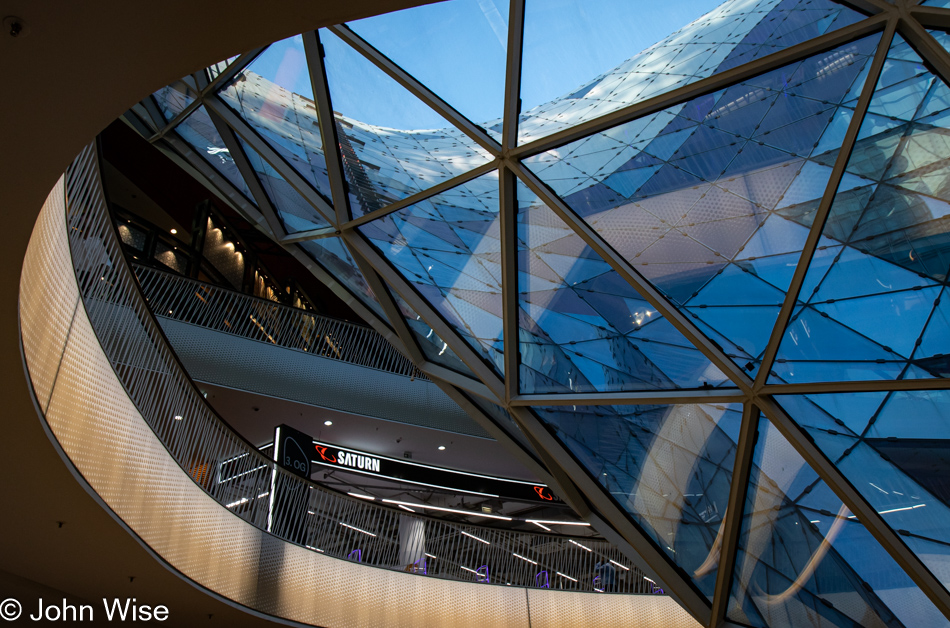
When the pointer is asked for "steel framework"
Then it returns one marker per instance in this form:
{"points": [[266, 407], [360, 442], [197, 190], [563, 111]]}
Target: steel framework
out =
{"points": [[757, 393]]}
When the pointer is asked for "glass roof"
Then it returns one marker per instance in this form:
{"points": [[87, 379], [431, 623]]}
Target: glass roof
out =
{"points": [[693, 270]]}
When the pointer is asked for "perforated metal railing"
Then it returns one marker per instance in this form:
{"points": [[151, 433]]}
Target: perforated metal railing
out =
{"points": [[199, 303], [255, 489]]}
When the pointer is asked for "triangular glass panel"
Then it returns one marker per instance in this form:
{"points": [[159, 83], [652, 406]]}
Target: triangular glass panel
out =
{"points": [[448, 247], [393, 144], [583, 60], [173, 99], [200, 133], [890, 241], [214, 71], [585, 329], [715, 190], [805, 560], [274, 95], [335, 258], [669, 467], [433, 347], [899, 466], [437, 43], [294, 211]]}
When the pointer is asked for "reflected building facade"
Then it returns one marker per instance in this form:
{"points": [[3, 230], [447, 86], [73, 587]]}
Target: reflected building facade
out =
{"points": [[708, 284]]}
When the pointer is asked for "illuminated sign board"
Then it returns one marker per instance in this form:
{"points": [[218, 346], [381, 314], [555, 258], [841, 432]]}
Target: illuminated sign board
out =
{"points": [[344, 459], [292, 450]]}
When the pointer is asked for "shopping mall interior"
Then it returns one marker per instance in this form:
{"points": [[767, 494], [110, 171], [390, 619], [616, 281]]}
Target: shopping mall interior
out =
{"points": [[524, 312]]}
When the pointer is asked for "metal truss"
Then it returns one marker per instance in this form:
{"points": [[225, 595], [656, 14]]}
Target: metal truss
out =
{"points": [[550, 457]]}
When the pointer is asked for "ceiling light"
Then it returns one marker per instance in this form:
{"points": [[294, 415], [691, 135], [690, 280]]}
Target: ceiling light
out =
{"points": [[174, 231], [328, 423], [441, 447]]}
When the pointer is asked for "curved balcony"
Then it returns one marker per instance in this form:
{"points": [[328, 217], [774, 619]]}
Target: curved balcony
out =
{"points": [[137, 432]]}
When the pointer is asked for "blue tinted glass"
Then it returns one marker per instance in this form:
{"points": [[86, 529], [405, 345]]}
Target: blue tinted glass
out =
{"points": [[437, 43], [585, 329], [200, 133], [669, 467], [873, 306], [215, 70], [335, 258], [274, 95], [805, 560], [447, 246], [435, 349], [172, 99], [393, 144], [711, 200], [583, 59], [295, 213]]}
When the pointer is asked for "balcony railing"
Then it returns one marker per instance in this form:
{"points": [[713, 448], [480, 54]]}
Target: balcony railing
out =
{"points": [[206, 305], [251, 485]]}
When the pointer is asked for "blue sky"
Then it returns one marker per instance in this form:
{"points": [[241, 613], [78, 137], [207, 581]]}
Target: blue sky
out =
{"points": [[457, 48]]}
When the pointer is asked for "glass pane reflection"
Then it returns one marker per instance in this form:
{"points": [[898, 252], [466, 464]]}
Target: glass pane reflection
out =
{"points": [[805, 560], [873, 301], [669, 467], [708, 199], [335, 258], [573, 48], [200, 133]]}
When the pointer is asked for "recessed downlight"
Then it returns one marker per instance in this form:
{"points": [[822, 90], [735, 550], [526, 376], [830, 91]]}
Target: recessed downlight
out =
{"points": [[441, 447], [328, 423]]}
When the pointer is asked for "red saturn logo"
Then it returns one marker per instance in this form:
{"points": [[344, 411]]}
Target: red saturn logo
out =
{"points": [[323, 454], [543, 493]]}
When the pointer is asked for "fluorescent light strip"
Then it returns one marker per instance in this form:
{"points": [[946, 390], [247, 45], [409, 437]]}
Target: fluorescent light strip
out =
{"points": [[580, 546], [316, 549], [884, 512], [564, 575], [619, 565], [346, 525], [429, 555], [541, 525], [648, 580], [369, 497], [241, 474], [559, 523], [471, 570], [523, 558], [405, 508], [243, 500], [460, 512], [474, 537]]}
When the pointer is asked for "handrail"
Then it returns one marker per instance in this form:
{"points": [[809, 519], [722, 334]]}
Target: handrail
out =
{"points": [[254, 488], [222, 309]]}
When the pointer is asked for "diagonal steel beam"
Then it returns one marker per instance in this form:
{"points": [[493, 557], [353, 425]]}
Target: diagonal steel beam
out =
{"points": [[648, 555], [250, 176], [857, 386], [328, 131], [648, 397], [731, 526], [827, 200], [435, 190], [358, 245], [270, 155], [931, 17], [456, 379], [312, 234], [704, 86], [852, 498], [509, 128], [417, 89], [235, 68], [626, 270], [178, 150], [508, 216], [935, 55]]}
